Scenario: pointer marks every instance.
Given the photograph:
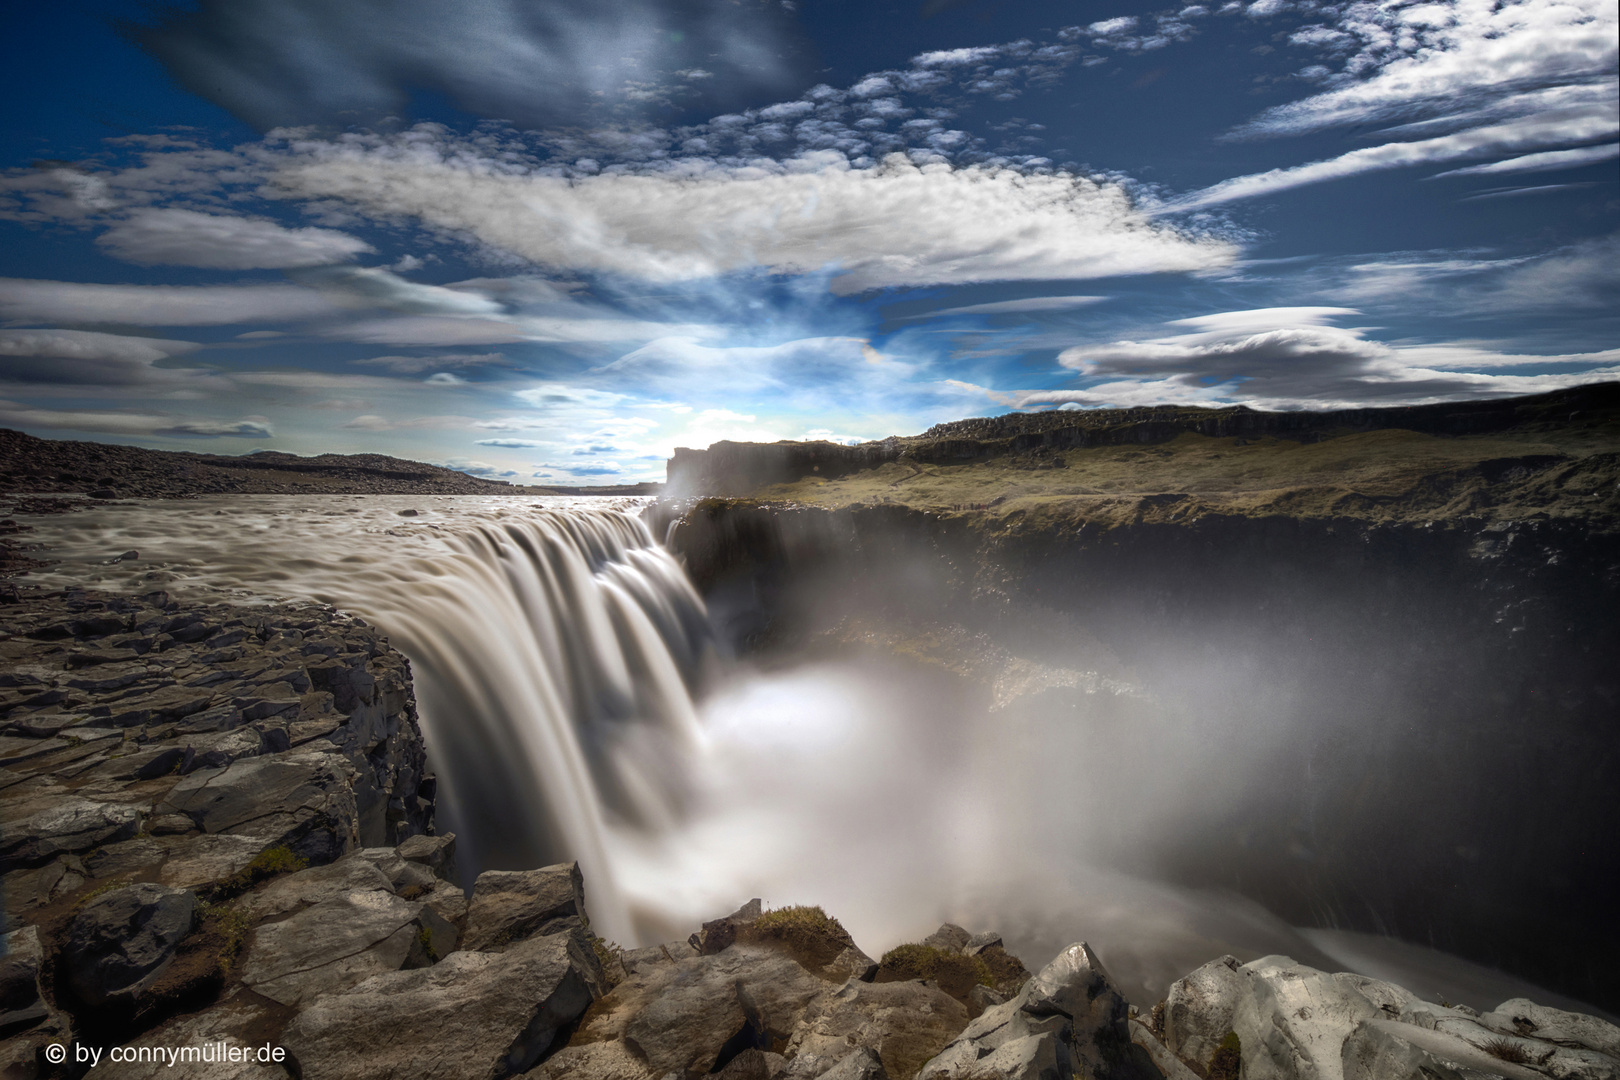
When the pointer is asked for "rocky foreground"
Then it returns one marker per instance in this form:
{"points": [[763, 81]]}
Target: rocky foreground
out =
{"points": [[219, 860]]}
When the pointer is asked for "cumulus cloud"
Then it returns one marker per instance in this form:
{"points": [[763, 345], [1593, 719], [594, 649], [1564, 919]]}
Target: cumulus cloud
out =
{"points": [[896, 224], [23, 300], [85, 359], [1290, 358], [294, 62], [177, 237]]}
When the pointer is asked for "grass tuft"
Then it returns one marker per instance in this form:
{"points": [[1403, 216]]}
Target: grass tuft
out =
{"points": [[1507, 1050]]}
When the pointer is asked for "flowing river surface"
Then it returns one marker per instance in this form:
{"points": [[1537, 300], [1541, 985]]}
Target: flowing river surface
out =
{"points": [[574, 709]]}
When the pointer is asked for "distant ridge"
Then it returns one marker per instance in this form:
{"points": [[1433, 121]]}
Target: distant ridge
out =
{"points": [[33, 465]]}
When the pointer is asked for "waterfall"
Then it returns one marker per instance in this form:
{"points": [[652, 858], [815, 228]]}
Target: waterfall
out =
{"points": [[536, 648]]}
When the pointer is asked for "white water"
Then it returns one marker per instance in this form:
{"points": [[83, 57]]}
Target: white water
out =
{"points": [[553, 644]]}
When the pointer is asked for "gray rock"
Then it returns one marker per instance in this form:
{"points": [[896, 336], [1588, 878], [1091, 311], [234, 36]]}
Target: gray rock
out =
{"points": [[1170, 1066], [949, 938], [301, 799], [71, 824], [682, 1018], [314, 886], [852, 963], [120, 942], [437, 853], [236, 1024], [1198, 1009], [1389, 1050], [1293, 1020], [202, 860], [1521, 1016], [473, 1016], [401, 873], [591, 1061], [903, 1023], [510, 905], [1068, 1020], [332, 946], [980, 942]]}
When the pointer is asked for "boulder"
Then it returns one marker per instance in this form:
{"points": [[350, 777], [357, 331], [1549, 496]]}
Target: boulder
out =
{"points": [[401, 873], [1198, 1009], [1293, 1020], [510, 905], [473, 1016], [332, 946], [201, 860], [314, 886], [120, 942], [902, 1024], [1069, 1020]]}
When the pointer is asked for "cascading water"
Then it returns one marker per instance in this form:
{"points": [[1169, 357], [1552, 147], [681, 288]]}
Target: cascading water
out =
{"points": [[556, 635]]}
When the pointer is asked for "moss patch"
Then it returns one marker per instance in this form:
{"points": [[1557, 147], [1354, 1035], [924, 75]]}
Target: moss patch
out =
{"points": [[1227, 1061], [956, 974], [808, 934], [269, 863]]}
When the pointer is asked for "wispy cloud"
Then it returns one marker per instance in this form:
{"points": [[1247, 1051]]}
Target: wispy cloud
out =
{"points": [[177, 237]]}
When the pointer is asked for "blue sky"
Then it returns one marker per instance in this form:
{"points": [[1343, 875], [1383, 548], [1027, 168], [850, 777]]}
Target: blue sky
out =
{"points": [[550, 240]]}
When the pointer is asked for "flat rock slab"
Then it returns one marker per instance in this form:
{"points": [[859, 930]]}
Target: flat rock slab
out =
{"points": [[313, 886], [201, 860], [71, 824], [472, 1016], [277, 798], [330, 947]]}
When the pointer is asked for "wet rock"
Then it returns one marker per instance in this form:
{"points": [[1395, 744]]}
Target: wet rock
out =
{"points": [[1198, 1009], [1523, 1017], [473, 1016], [510, 905], [121, 941]]}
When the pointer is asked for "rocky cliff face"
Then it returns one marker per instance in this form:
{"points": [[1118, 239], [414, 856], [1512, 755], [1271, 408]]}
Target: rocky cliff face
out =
{"points": [[1445, 750]]}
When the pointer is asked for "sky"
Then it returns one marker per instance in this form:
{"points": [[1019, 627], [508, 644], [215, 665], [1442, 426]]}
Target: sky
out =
{"points": [[548, 241]]}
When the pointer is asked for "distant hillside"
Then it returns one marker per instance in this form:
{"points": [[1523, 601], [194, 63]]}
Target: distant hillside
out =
{"points": [[33, 465]]}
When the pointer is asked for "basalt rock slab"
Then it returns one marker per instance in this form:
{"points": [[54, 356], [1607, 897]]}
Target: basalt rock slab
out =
{"points": [[302, 799], [472, 1016], [332, 946]]}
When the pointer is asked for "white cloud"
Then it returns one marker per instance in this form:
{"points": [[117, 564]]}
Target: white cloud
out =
{"points": [[1576, 125], [1446, 55], [514, 444], [897, 224], [23, 300], [1290, 358], [1546, 161], [175, 237]]}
